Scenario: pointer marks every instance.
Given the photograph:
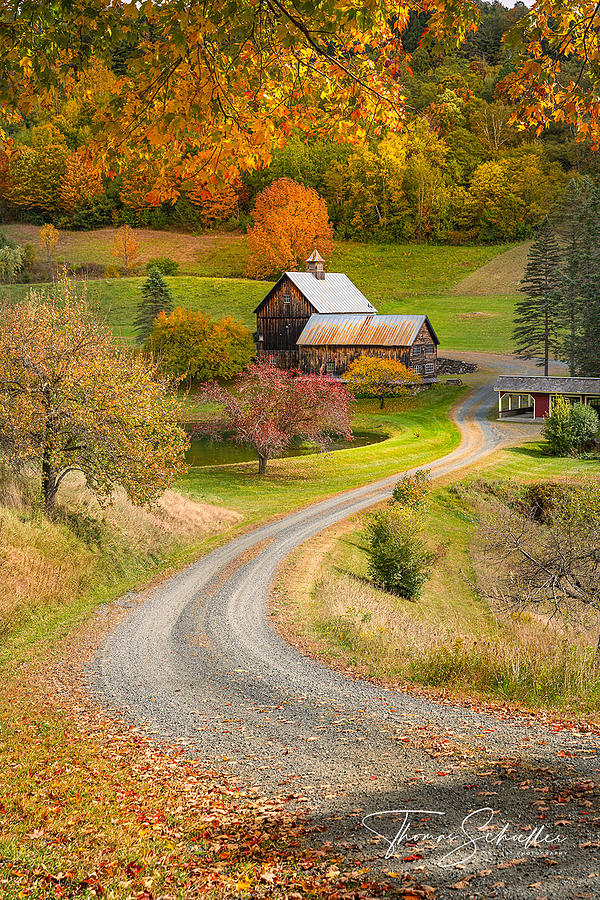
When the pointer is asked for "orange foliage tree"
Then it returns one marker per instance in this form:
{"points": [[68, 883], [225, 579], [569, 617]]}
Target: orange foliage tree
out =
{"points": [[216, 203], [126, 247], [81, 182], [289, 220]]}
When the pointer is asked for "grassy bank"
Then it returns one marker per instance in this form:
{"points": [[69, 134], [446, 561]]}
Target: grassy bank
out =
{"points": [[418, 431], [452, 639]]}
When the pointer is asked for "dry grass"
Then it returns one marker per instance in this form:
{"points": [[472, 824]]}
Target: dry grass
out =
{"points": [[452, 639], [501, 275], [46, 562], [81, 247]]}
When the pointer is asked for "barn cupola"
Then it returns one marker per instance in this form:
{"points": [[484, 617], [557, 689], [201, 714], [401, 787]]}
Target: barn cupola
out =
{"points": [[316, 265]]}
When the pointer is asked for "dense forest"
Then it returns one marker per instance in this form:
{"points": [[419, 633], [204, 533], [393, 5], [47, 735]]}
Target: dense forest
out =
{"points": [[458, 172]]}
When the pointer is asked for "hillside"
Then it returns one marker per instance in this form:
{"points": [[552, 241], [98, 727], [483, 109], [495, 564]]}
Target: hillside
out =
{"points": [[446, 282]]}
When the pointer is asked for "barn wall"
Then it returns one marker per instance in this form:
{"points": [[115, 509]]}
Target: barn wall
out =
{"points": [[280, 323], [335, 360], [542, 405], [423, 352]]}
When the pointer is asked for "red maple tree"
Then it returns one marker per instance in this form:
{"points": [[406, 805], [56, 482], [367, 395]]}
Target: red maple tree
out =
{"points": [[269, 407]]}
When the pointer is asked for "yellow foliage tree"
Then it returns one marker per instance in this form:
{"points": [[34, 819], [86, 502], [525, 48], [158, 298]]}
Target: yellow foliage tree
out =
{"points": [[35, 176], [73, 399], [49, 237], [371, 376], [126, 247], [289, 220]]}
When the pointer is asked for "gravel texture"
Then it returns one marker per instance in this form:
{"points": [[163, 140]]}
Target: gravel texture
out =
{"points": [[198, 663]]}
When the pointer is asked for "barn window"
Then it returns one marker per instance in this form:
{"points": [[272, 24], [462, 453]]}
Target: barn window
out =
{"points": [[418, 370], [417, 350], [428, 348], [286, 298], [429, 368], [330, 367]]}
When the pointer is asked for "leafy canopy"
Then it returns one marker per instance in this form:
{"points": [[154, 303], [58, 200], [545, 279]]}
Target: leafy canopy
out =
{"points": [[289, 221], [370, 376], [191, 344]]}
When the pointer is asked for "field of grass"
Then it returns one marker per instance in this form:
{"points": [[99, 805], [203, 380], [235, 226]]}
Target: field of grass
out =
{"points": [[397, 278], [529, 462], [419, 431]]}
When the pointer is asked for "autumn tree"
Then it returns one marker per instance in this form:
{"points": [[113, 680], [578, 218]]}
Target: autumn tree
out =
{"points": [[289, 220], [268, 407], [49, 237], [81, 183], [192, 344], [549, 564], [125, 247], [35, 176], [536, 321], [156, 298], [73, 400], [372, 376]]}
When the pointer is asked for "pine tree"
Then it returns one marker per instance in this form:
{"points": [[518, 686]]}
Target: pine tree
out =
{"points": [[571, 227], [156, 298], [535, 331], [587, 286]]}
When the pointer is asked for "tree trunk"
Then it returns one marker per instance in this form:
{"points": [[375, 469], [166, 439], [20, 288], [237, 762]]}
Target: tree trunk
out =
{"points": [[262, 464], [546, 340], [48, 483], [382, 401], [572, 347]]}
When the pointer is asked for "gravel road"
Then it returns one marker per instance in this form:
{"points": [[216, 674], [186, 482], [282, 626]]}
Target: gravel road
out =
{"points": [[198, 663]]}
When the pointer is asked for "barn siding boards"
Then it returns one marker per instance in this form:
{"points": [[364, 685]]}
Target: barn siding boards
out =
{"points": [[332, 343], [280, 323]]}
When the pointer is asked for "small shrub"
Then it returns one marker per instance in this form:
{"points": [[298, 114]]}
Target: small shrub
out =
{"points": [[570, 427], [412, 490], [584, 426], [399, 562], [164, 264], [111, 272]]}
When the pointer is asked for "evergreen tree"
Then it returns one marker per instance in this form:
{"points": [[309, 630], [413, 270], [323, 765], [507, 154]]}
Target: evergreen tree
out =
{"points": [[586, 266], [156, 298], [535, 331], [570, 225]]}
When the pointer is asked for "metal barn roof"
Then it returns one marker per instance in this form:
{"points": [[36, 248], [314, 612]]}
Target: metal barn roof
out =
{"points": [[362, 331], [334, 293], [547, 384]]}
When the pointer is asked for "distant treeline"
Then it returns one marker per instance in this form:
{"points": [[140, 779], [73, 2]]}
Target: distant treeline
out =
{"points": [[459, 172]]}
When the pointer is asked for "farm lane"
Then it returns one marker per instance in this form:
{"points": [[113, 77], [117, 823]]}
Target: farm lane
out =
{"points": [[198, 663]]}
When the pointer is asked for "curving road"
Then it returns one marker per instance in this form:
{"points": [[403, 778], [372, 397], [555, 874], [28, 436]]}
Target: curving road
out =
{"points": [[199, 663]]}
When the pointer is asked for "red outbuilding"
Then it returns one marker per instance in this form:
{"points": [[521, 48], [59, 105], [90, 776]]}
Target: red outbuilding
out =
{"points": [[530, 396]]}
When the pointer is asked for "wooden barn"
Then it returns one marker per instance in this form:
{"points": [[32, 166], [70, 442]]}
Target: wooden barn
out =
{"points": [[320, 322], [331, 343]]}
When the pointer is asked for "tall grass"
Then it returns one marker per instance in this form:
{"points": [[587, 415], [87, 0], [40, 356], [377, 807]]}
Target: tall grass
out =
{"points": [[514, 658]]}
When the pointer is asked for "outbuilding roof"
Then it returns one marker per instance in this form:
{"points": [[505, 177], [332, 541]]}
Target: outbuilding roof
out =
{"points": [[363, 331], [547, 384], [333, 293]]}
